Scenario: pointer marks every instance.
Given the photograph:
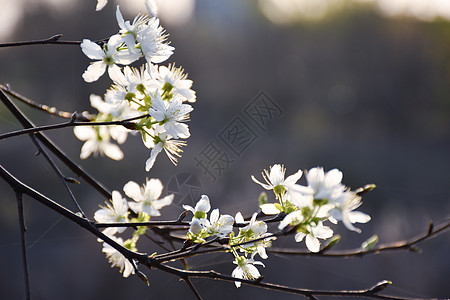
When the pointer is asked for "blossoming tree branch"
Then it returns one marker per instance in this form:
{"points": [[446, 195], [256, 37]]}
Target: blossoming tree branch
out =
{"points": [[154, 100]]}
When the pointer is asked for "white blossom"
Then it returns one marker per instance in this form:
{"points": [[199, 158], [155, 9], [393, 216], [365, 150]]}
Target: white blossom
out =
{"points": [[282, 187], [128, 30], [169, 114], [97, 141], [325, 185], [314, 233], [201, 208], [343, 211], [159, 142], [147, 197], [108, 56], [117, 259], [195, 226], [174, 80], [153, 42], [115, 213], [220, 225], [245, 269]]}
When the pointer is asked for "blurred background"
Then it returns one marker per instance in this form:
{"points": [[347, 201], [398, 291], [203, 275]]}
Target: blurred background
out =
{"points": [[362, 86]]}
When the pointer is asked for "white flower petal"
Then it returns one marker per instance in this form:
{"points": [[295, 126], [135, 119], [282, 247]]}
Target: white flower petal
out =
{"points": [[312, 243], [113, 151], [358, 217], [101, 4], [158, 204], [133, 190], [299, 237], [115, 73], [154, 153], [269, 209], [94, 71], [92, 50], [84, 133]]}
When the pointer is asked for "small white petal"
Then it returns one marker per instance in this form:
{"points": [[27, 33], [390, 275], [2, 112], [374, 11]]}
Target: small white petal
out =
{"points": [[133, 190], [312, 243], [101, 4], [94, 71], [269, 209], [113, 151], [92, 50], [358, 217]]}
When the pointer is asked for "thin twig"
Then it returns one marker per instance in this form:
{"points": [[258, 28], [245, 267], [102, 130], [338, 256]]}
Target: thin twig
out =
{"points": [[52, 147], [148, 224], [192, 287], [55, 40], [85, 116], [58, 172], [23, 245], [372, 292], [126, 122], [399, 245]]}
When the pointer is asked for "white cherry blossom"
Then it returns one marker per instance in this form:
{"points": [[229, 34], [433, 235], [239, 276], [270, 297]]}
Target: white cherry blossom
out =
{"points": [[128, 30], [97, 141], [343, 211], [245, 269], [115, 212], [201, 208], [173, 79], [153, 42], [159, 142], [314, 233], [147, 197], [117, 259], [107, 57], [169, 114], [220, 225]]}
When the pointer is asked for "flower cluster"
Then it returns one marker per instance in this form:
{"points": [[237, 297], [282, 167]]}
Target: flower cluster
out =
{"points": [[154, 94], [153, 100], [252, 238], [306, 208], [201, 228], [146, 203]]}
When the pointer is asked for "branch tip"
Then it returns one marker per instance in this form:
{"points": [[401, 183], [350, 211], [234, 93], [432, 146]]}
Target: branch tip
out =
{"points": [[430, 228], [143, 277], [56, 37]]}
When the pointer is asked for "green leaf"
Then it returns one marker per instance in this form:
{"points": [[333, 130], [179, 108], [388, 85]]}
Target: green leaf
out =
{"points": [[365, 189], [334, 240], [370, 242]]}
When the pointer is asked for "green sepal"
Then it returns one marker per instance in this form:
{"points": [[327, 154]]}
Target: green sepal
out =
{"points": [[262, 198], [320, 202]]}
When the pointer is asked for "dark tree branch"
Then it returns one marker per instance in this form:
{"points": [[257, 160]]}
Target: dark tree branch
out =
{"points": [[52, 147], [23, 244], [372, 292], [85, 223]]}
